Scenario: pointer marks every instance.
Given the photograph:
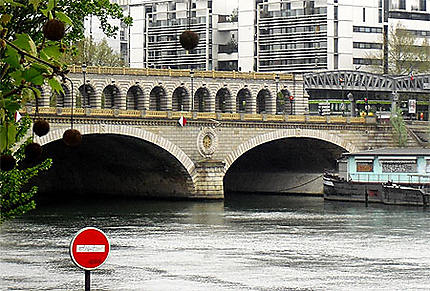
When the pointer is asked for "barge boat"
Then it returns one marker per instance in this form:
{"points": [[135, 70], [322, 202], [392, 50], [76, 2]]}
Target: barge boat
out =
{"points": [[389, 176]]}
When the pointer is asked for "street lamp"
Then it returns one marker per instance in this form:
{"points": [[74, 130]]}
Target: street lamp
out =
{"points": [[342, 82], [192, 89], [352, 101], [277, 84], [84, 71]]}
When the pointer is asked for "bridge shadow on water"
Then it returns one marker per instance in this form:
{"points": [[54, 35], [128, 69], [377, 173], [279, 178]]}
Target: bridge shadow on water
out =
{"points": [[110, 165], [282, 166], [115, 166]]}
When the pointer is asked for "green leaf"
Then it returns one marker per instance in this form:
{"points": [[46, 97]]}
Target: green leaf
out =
{"points": [[17, 76], [64, 18], [55, 85], [5, 18], [35, 3], [27, 95], [11, 105], [42, 68], [33, 75], [51, 5], [7, 136], [24, 42], [52, 51], [36, 92], [11, 134], [2, 138], [12, 57]]}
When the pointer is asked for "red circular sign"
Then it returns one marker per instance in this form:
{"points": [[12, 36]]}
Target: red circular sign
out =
{"points": [[89, 248]]}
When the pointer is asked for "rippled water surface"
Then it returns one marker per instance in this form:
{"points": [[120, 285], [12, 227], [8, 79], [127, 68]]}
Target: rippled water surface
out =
{"points": [[246, 242]]}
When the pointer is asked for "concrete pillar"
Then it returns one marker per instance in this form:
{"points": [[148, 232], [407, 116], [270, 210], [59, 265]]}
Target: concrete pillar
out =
{"points": [[209, 176]]}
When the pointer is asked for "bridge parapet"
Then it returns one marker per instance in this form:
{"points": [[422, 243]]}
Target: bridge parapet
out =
{"points": [[247, 117], [181, 73]]}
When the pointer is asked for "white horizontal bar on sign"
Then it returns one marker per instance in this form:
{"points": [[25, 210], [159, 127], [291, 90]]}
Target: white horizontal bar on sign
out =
{"points": [[90, 248], [397, 158]]}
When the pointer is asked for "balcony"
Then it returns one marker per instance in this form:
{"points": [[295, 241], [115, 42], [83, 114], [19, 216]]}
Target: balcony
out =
{"points": [[227, 22], [229, 48]]}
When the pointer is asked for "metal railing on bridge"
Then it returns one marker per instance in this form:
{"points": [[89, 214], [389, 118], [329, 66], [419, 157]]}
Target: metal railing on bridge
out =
{"points": [[181, 73]]}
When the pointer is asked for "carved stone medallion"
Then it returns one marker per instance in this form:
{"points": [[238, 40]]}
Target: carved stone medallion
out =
{"points": [[207, 142]]}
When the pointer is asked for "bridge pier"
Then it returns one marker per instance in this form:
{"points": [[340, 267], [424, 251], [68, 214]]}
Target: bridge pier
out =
{"points": [[208, 179]]}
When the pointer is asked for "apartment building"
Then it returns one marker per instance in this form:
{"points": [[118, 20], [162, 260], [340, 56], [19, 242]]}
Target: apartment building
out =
{"points": [[268, 35]]}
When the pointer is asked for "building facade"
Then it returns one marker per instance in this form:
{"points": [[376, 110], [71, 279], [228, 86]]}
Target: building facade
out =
{"points": [[268, 35]]}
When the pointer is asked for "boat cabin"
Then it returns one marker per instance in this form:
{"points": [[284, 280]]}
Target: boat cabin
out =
{"points": [[399, 165]]}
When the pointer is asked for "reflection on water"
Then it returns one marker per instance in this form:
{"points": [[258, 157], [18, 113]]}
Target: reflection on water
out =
{"points": [[247, 242]]}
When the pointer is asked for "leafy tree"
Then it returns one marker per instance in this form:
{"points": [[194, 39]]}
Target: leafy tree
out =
{"points": [[29, 22], [400, 133], [94, 54], [405, 53], [34, 36]]}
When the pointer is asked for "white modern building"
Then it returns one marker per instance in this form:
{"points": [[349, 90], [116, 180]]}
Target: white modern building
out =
{"points": [[266, 35]]}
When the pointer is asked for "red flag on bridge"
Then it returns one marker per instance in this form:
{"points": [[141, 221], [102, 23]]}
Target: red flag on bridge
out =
{"points": [[17, 116], [182, 121]]}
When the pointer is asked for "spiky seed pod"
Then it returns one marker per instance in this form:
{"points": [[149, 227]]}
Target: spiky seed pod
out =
{"points": [[72, 138], [54, 29], [7, 162], [189, 40], [33, 151], [41, 127]]}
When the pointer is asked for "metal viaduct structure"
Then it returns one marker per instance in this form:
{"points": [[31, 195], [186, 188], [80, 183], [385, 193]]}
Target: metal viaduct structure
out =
{"points": [[365, 81]]}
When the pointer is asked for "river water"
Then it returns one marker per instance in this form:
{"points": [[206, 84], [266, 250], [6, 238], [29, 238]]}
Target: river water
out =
{"points": [[247, 242]]}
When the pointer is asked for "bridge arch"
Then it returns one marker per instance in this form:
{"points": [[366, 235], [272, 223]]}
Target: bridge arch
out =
{"points": [[86, 96], [282, 99], [135, 98], [61, 99], [158, 98], [244, 101], [263, 101], [181, 99], [111, 97], [202, 100], [224, 100], [286, 133], [163, 143]]}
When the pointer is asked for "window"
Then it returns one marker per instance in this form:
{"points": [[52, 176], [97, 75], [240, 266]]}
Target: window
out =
{"points": [[380, 15], [398, 166], [362, 61], [367, 29], [336, 46], [365, 166], [335, 13], [364, 14], [423, 6], [367, 45], [402, 4]]}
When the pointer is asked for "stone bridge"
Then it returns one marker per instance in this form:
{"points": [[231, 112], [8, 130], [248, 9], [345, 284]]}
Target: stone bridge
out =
{"points": [[209, 144], [171, 90]]}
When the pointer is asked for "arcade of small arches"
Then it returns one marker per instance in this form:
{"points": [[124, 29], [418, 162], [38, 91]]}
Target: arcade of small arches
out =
{"points": [[222, 100]]}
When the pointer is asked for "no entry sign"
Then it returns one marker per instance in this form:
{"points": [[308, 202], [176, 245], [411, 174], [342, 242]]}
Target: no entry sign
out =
{"points": [[89, 248]]}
